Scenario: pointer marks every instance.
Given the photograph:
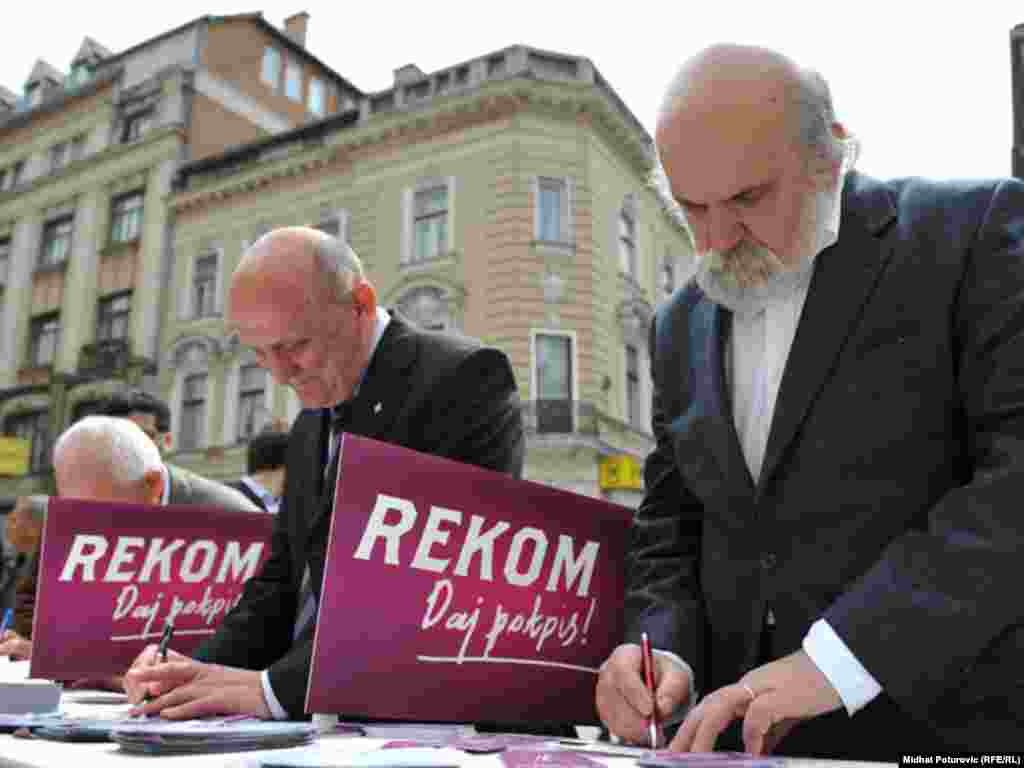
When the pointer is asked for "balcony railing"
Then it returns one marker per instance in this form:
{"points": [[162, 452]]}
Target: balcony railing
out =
{"points": [[580, 419], [104, 358]]}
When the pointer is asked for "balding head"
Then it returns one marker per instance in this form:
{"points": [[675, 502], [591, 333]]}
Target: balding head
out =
{"points": [[752, 153], [746, 80], [108, 458], [300, 299]]}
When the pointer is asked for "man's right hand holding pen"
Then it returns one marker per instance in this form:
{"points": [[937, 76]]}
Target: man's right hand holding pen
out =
{"points": [[177, 687], [625, 704]]}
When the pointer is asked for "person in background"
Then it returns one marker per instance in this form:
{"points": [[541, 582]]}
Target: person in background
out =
{"points": [[24, 531], [111, 459], [263, 482], [149, 413]]}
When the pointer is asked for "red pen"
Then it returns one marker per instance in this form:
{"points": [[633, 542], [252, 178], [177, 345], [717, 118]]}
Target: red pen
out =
{"points": [[652, 724]]}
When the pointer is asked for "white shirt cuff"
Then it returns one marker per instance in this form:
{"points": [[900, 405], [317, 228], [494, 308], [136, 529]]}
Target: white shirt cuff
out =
{"points": [[681, 712], [854, 684], [276, 710]]}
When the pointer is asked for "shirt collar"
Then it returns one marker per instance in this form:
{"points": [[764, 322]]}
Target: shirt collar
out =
{"points": [[165, 497], [270, 501], [383, 318]]}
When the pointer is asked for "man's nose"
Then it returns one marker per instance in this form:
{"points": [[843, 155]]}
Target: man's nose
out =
{"points": [[721, 230]]}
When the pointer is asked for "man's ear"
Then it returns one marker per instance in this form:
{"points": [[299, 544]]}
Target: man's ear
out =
{"points": [[154, 481], [364, 295], [166, 440]]}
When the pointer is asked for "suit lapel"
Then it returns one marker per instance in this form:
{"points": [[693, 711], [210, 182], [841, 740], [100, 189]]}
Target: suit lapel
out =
{"points": [[844, 278], [374, 411], [709, 329]]}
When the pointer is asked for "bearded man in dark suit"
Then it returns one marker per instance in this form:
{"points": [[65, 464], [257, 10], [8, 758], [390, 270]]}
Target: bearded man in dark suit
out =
{"points": [[299, 298], [829, 545]]}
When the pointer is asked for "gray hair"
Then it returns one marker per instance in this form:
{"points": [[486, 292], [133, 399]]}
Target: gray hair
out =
{"points": [[114, 443], [338, 266], [811, 100]]}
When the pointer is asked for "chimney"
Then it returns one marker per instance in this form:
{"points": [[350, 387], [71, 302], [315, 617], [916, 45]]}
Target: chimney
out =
{"points": [[295, 27]]}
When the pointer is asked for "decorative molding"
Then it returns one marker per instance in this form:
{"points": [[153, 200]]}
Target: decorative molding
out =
{"points": [[393, 131], [213, 347]]}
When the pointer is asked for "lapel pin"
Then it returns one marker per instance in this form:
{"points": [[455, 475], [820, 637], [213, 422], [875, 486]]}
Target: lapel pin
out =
{"points": [[377, 408]]}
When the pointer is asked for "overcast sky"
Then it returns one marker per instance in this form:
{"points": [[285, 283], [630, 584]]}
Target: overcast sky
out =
{"points": [[926, 90]]}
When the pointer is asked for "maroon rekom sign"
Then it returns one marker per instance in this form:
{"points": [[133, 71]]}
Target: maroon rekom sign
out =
{"points": [[111, 575], [458, 594]]}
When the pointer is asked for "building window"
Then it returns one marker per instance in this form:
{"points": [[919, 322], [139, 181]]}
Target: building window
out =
{"points": [[252, 398], [126, 218], [78, 148], [43, 340], [193, 411], [204, 286], [335, 222], [293, 80], [112, 317], [426, 307], [5, 260], [81, 73], [627, 240], [58, 156], [34, 427], [668, 274], [554, 382], [56, 241], [430, 223], [136, 125], [34, 94], [317, 102], [633, 405], [552, 210], [271, 71]]}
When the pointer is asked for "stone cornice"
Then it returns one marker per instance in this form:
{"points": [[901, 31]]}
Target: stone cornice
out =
{"points": [[104, 160], [394, 131]]}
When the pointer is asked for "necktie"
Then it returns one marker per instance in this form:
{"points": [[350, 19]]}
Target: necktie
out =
{"points": [[341, 415]]}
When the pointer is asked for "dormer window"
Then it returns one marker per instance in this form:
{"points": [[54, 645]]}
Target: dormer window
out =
{"points": [[81, 73], [135, 125]]}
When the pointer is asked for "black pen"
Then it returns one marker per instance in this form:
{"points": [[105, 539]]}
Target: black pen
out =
{"points": [[165, 640]]}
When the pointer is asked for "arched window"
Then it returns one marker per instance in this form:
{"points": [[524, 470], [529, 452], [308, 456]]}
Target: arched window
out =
{"points": [[191, 396], [426, 306]]}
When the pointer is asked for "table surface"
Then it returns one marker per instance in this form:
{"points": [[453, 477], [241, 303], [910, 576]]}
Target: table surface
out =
{"points": [[42, 753]]}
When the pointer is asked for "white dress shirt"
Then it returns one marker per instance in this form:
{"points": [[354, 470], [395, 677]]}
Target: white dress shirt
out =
{"points": [[756, 359], [276, 710]]}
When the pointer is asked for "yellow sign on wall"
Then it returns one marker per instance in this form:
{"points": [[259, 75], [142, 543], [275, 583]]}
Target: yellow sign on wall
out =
{"points": [[621, 472], [14, 455]]}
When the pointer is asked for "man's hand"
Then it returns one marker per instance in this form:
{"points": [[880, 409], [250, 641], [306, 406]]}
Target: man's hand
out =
{"points": [[623, 702], [149, 657], [771, 699], [183, 688], [14, 645]]}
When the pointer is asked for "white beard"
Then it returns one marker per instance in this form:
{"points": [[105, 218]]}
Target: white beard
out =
{"points": [[749, 277]]}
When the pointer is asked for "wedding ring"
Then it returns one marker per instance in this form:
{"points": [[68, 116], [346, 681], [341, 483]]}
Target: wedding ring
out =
{"points": [[749, 691]]}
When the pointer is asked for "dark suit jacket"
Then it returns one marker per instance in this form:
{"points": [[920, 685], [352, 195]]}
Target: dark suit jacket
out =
{"points": [[190, 488], [439, 394], [890, 497]]}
